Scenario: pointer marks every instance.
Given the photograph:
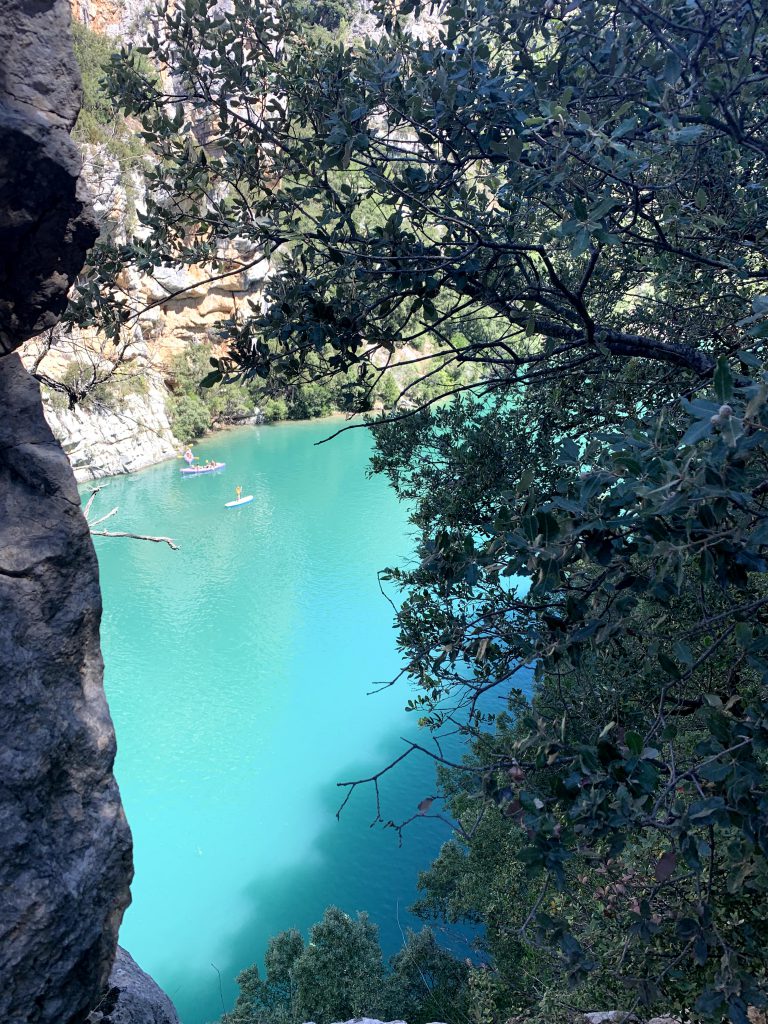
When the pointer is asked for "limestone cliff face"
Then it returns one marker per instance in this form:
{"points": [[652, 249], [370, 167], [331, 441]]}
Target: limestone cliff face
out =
{"points": [[65, 847], [133, 431], [175, 307], [123, 19], [102, 441]]}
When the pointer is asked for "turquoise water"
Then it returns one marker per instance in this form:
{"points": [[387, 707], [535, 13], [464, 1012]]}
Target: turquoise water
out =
{"points": [[237, 670]]}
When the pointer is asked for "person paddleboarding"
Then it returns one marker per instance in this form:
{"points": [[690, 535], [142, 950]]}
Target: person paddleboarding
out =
{"points": [[239, 499]]}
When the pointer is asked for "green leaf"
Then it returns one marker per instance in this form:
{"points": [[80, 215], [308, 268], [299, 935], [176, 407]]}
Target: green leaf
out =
{"points": [[668, 665], [569, 456], [723, 380], [635, 743], [697, 432], [671, 68], [683, 652]]}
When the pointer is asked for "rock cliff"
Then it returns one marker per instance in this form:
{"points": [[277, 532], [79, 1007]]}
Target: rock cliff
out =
{"points": [[133, 430], [65, 849], [175, 307], [43, 242], [133, 997]]}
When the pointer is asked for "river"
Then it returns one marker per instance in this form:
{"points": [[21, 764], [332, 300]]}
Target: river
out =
{"points": [[237, 671]]}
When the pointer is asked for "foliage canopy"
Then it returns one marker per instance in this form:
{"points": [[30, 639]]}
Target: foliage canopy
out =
{"points": [[340, 974], [571, 197]]}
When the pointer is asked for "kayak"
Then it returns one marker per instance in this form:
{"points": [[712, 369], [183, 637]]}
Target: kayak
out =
{"points": [[240, 501], [196, 470]]}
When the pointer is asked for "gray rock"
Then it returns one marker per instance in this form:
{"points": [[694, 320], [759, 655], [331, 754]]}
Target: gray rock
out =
{"points": [[366, 1020], [178, 279], [65, 850], [46, 226], [105, 441], [133, 997], [608, 1017]]}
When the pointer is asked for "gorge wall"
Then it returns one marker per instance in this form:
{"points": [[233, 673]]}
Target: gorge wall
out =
{"points": [[65, 846], [125, 425]]}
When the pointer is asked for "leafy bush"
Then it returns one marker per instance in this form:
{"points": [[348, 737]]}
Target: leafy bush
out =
{"points": [[274, 409], [615, 827], [195, 409], [189, 416], [99, 122], [388, 392], [321, 19], [340, 975]]}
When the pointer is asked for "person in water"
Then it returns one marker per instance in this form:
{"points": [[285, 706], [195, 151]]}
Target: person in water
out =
{"points": [[238, 492]]}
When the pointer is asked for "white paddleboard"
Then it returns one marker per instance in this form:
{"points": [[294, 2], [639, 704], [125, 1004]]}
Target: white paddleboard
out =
{"points": [[240, 501]]}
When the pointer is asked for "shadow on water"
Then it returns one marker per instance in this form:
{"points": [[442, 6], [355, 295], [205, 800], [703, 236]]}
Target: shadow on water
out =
{"points": [[352, 864]]}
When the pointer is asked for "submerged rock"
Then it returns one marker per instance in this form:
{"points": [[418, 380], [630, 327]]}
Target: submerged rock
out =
{"points": [[133, 997]]}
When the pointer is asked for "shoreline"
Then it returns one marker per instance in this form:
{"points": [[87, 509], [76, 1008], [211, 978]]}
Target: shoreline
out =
{"points": [[84, 481]]}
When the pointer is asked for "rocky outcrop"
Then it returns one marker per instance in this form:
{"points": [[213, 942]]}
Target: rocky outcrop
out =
{"points": [[45, 225], [133, 997], [175, 307], [65, 851], [123, 19], [104, 440]]}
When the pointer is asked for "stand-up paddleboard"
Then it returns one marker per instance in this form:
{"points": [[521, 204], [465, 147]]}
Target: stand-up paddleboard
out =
{"points": [[197, 470], [239, 501]]}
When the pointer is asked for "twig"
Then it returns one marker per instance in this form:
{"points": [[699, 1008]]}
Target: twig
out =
{"points": [[96, 522], [136, 536], [221, 990]]}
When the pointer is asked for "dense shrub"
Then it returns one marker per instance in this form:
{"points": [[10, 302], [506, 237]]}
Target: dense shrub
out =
{"points": [[340, 974], [189, 416]]}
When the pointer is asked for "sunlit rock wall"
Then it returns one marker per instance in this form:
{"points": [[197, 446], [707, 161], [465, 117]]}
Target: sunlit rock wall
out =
{"points": [[174, 308]]}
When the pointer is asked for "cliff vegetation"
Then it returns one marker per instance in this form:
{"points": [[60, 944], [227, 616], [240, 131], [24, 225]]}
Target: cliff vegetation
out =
{"points": [[570, 200]]}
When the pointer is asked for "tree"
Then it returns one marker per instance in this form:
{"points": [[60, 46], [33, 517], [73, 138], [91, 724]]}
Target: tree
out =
{"points": [[571, 197], [340, 973], [564, 179], [634, 788], [270, 1001], [425, 983]]}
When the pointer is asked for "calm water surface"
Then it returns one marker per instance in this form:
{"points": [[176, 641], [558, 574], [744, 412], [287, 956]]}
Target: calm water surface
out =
{"points": [[237, 671]]}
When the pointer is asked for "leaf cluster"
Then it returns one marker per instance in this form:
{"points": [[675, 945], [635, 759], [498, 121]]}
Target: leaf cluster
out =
{"points": [[340, 974]]}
